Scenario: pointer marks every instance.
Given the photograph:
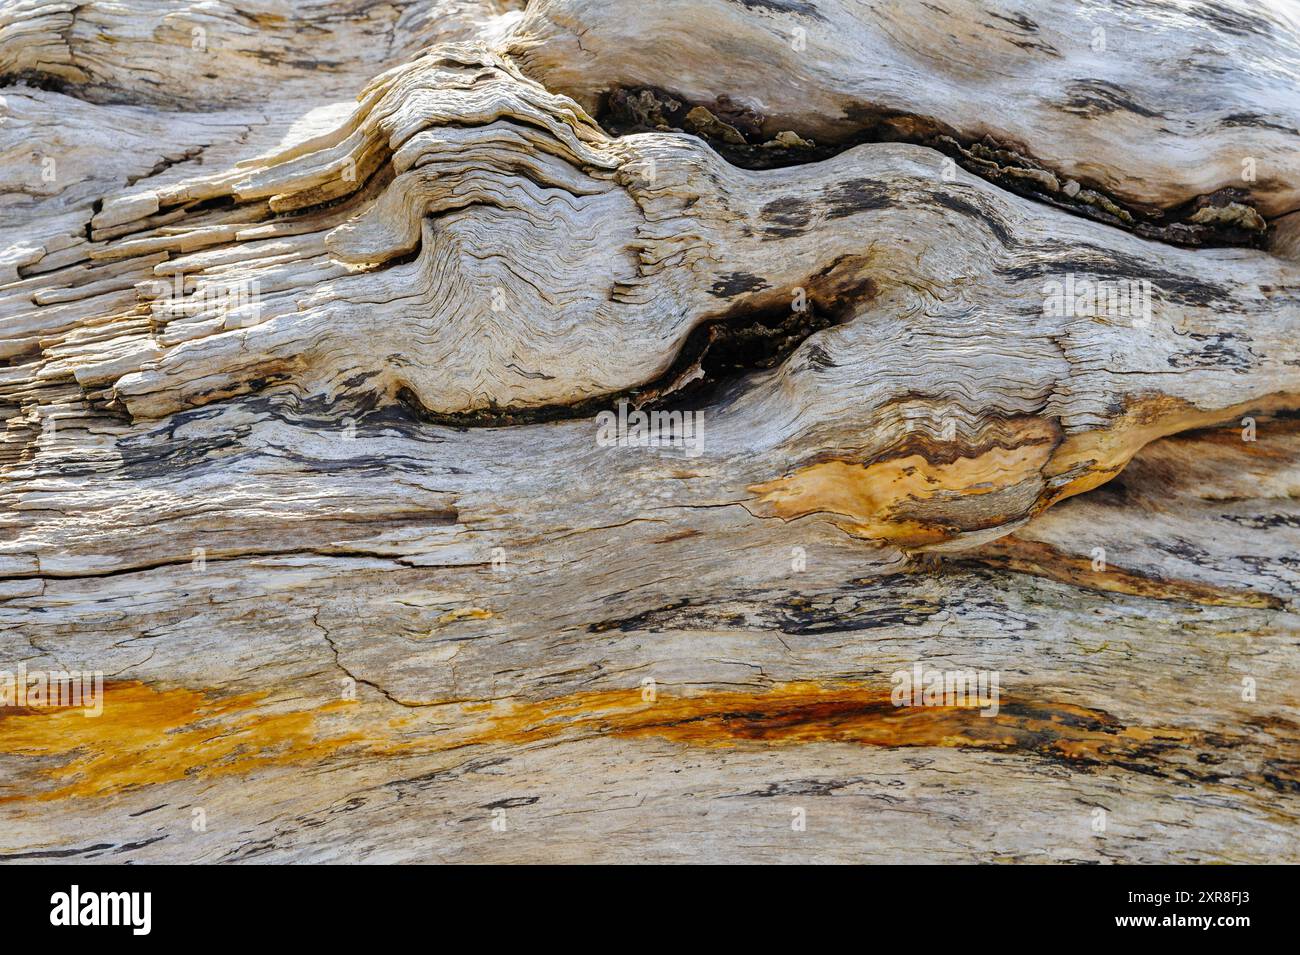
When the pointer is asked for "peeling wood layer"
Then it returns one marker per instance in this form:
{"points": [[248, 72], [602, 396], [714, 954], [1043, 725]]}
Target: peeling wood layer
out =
{"points": [[1224, 217]]}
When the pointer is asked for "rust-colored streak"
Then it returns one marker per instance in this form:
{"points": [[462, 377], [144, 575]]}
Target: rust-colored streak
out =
{"points": [[1043, 560], [795, 713], [147, 736], [854, 713]]}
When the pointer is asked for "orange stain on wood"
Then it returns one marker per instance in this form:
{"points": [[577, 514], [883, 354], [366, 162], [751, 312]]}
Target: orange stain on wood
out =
{"points": [[148, 736], [871, 495], [874, 497], [466, 613], [1091, 458], [804, 712]]}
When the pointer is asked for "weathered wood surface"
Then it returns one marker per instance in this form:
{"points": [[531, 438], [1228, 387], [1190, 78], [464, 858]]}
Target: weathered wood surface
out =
{"points": [[364, 584]]}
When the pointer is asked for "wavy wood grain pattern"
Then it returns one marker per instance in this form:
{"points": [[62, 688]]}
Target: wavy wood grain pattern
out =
{"points": [[978, 327]]}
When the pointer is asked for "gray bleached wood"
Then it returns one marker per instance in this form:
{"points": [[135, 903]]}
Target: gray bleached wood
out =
{"points": [[363, 581]]}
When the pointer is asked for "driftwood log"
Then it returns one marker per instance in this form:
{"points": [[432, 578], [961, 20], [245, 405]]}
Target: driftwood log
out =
{"points": [[330, 333]]}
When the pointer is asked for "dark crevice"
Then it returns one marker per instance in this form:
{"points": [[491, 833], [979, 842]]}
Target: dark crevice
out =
{"points": [[166, 162], [716, 354], [35, 79], [97, 93], [374, 182], [96, 208], [743, 137]]}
